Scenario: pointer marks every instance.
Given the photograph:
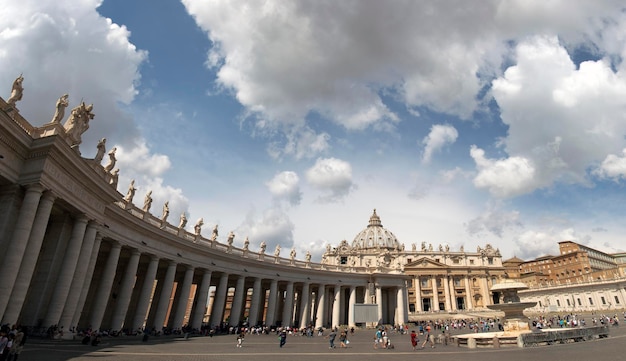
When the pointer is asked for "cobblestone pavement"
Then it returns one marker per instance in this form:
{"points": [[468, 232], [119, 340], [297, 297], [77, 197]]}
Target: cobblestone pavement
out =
{"points": [[265, 347]]}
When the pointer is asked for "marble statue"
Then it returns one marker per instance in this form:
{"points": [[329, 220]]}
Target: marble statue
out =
{"points": [[78, 122], [246, 244], [277, 250], [430, 247], [147, 201], [231, 238], [198, 227], [100, 152], [112, 160], [17, 90], [183, 221], [447, 248], [131, 192], [440, 248], [263, 246], [59, 111], [328, 248], [292, 254], [115, 177], [166, 212], [214, 233], [307, 257], [462, 249], [413, 247], [423, 246]]}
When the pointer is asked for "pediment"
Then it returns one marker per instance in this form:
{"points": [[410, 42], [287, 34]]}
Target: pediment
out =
{"points": [[425, 262]]}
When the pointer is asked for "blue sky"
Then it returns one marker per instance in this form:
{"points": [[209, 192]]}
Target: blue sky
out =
{"points": [[462, 123]]}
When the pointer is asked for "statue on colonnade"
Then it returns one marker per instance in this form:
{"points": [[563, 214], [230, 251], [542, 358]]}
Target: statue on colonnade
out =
{"points": [[17, 90], [59, 111]]}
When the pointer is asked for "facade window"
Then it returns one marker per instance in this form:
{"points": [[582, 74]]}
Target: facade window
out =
{"points": [[490, 260], [455, 261], [590, 301], [558, 303], [471, 261], [603, 300], [568, 303], [408, 260], [343, 260], [579, 302], [457, 281], [616, 300], [424, 281]]}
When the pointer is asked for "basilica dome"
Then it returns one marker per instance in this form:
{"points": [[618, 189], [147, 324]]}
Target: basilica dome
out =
{"points": [[375, 236]]}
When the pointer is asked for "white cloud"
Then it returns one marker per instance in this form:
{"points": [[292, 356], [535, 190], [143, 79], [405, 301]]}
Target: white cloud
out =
{"points": [[532, 244], [503, 177], [331, 176], [286, 185], [272, 226], [439, 137], [494, 221], [613, 166]]}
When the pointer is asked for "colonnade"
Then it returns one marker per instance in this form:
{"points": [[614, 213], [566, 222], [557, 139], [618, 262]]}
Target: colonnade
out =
{"points": [[460, 292], [73, 274]]}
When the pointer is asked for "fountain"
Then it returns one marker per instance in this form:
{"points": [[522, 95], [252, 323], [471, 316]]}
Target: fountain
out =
{"points": [[514, 320]]}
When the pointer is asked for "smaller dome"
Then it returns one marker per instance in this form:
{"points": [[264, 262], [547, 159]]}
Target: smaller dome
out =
{"points": [[375, 236]]}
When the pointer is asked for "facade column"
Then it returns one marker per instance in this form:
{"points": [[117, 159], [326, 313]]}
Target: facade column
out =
{"points": [[255, 303], [66, 274], [468, 294], [238, 297], [367, 297], [164, 297], [337, 307], [435, 294], [87, 280], [21, 234], [351, 304], [146, 293], [452, 294], [102, 296], [217, 313], [400, 301], [78, 278], [305, 307], [27, 265], [288, 306], [379, 303], [418, 295], [201, 298], [320, 317], [270, 318], [446, 292], [485, 291], [183, 299], [126, 290]]}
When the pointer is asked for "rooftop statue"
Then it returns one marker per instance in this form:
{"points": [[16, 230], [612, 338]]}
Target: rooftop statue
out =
{"points": [[78, 122], [17, 90], [112, 160], [166, 212], [100, 152], [114, 177], [183, 221], [231, 238], [131, 192], [263, 246], [198, 227], [59, 111], [147, 201], [214, 233], [292, 254], [246, 244], [277, 250]]}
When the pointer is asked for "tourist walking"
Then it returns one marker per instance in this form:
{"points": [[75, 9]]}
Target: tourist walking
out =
{"points": [[282, 337], [343, 339], [414, 339], [331, 338]]}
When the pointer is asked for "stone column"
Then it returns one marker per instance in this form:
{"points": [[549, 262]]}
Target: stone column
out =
{"points": [[237, 305], [66, 275], [217, 313], [435, 294], [102, 296], [320, 319], [21, 234], [146, 293], [270, 318], [125, 292], [78, 278], [288, 307], [485, 291], [164, 297], [446, 292], [452, 294], [418, 295], [305, 309], [87, 280], [255, 303], [337, 306], [202, 296], [367, 297], [400, 301], [379, 303], [183, 300], [351, 304], [468, 294], [27, 264]]}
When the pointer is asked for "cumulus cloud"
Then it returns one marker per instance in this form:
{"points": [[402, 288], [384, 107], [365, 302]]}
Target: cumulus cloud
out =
{"points": [[286, 185], [439, 137], [67, 47], [271, 226], [532, 244], [494, 221], [331, 176], [562, 119], [613, 167]]}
